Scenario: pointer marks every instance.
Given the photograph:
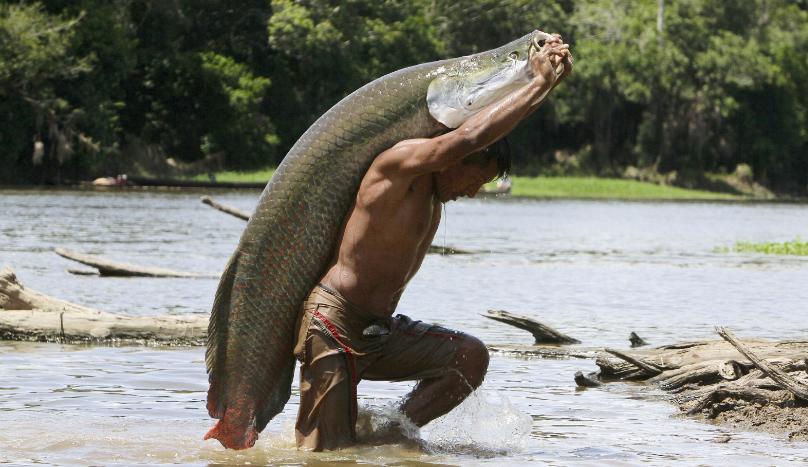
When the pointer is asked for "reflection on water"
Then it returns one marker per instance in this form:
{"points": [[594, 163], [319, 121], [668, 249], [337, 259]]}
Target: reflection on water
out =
{"points": [[594, 270]]}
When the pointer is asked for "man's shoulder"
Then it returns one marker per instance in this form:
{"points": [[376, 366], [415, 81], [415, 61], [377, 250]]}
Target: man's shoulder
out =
{"points": [[403, 147], [384, 178], [392, 161]]}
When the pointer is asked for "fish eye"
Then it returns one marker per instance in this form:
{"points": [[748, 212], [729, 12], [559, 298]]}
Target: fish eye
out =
{"points": [[514, 55], [469, 102]]}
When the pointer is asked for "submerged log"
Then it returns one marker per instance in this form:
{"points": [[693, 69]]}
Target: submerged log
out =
{"points": [[636, 341], [446, 250], [28, 315], [111, 268], [544, 351], [542, 333], [586, 381]]}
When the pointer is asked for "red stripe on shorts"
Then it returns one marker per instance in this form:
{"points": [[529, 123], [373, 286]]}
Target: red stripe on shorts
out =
{"points": [[345, 349]]}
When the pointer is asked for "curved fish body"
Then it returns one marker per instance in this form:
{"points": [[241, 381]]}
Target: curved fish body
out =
{"points": [[290, 239]]}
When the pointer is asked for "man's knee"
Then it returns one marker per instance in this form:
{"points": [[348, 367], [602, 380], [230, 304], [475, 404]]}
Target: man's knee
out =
{"points": [[472, 360]]}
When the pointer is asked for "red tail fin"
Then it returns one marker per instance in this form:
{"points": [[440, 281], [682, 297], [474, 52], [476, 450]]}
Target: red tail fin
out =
{"points": [[231, 433]]}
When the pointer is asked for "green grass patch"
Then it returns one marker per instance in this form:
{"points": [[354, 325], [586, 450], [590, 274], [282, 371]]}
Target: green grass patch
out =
{"points": [[545, 187], [229, 176], [797, 247], [606, 188]]}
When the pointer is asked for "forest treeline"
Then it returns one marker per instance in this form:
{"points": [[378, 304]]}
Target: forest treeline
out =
{"points": [[99, 87]]}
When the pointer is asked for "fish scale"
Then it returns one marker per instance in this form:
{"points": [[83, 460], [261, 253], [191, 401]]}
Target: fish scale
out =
{"points": [[290, 240]]}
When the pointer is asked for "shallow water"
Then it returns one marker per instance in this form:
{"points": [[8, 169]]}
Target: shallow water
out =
{"points": [[594, 270]]}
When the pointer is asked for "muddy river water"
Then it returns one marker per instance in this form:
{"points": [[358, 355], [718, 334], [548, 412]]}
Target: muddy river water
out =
{"points": [[594, 270]]}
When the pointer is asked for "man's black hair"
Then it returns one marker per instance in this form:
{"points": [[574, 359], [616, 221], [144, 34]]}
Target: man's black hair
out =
{"points": [[500, 150]]}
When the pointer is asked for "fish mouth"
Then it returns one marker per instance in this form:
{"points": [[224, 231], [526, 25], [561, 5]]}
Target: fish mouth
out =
{"points": [[479, 80], [539, 38]]}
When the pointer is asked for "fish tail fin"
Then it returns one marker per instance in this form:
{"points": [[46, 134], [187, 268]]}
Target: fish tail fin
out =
{"points": [[235, 430]]}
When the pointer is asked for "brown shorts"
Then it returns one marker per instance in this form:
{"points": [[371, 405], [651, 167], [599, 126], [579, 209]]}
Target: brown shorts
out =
{"points": [[338, 344]]}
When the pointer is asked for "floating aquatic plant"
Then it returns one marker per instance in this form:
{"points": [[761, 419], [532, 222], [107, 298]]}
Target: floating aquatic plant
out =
{"points": [[796, 247]]}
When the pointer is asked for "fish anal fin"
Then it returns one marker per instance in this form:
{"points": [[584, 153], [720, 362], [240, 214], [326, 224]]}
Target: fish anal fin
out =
{"points": [[274, 405], [215, 354]]}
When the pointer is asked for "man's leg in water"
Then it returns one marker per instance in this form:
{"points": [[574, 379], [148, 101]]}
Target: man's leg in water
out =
{"points": [[449, 365], [327, 414]]}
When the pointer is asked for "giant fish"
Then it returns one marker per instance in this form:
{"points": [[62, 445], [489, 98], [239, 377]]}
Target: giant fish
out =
{"points": [[290, 239]]}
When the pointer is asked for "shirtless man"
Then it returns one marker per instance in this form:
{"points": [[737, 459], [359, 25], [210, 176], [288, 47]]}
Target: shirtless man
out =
{"points": [[346, 331]]}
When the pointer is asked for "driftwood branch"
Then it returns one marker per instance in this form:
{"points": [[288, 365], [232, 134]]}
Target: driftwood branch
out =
{"points": [[541, 332], [707, 372], [28, 315], [111, 268], [797, 388], [648, 367], [224, 208]]}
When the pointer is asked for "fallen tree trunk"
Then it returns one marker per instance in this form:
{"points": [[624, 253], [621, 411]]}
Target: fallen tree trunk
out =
{"points": [[718, 380], [544, 351], [111, 268], [28, 315]]}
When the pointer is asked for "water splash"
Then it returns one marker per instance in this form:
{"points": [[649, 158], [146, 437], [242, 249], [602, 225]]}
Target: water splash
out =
{"points": [[480, 425], [385, 424]]}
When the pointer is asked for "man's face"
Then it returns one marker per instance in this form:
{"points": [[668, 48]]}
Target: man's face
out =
{"points": [[464, 179]]}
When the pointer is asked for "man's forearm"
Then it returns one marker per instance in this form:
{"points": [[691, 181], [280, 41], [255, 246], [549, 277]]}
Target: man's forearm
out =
{"points": [[499, 118]]}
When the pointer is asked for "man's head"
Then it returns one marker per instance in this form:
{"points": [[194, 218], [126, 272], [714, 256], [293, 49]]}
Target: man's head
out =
{"points": [[467, 176]]}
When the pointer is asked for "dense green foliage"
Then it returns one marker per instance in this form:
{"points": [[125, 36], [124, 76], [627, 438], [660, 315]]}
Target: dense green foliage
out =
{"points": [[97, 87]]}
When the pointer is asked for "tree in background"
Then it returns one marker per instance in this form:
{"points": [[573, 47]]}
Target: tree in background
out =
{"points": [[94, 87], [327, 49], [197, 89], [677, 96], [38, 125]]}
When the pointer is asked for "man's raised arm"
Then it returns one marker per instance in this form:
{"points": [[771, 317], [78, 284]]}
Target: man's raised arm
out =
{"points": [[415, 157]]}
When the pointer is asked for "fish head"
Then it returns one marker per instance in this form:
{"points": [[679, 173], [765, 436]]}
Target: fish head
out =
{"points": [[470, 83]]}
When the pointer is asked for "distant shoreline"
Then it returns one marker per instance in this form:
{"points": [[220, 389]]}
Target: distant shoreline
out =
{"points": [[541, 187]]}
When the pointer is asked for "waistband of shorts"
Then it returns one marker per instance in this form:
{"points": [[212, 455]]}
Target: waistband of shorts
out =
{"points": [[357, 312]]}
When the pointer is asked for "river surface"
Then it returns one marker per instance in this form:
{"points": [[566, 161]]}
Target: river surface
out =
{"points": [[595, 270]]}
